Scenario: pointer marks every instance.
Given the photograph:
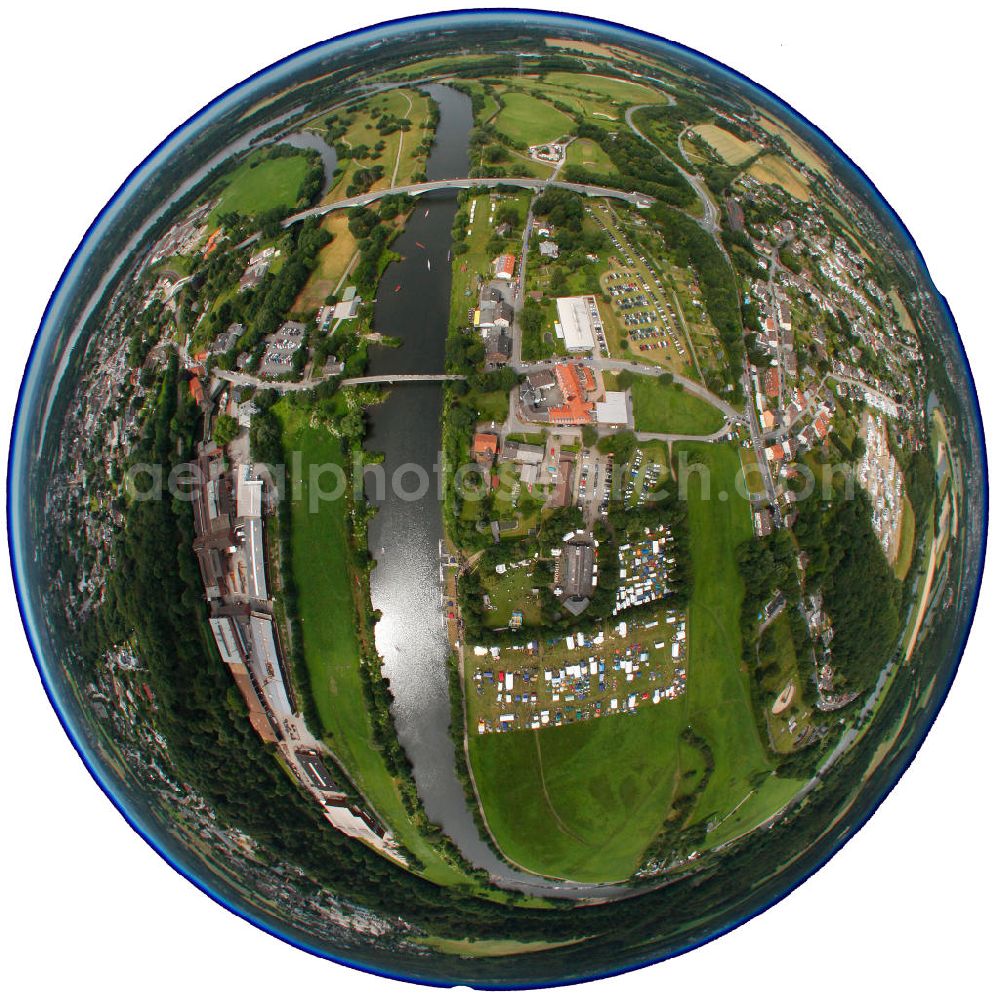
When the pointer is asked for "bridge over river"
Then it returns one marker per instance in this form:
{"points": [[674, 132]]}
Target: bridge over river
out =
{"points": [[394, 379], [458, 183]]}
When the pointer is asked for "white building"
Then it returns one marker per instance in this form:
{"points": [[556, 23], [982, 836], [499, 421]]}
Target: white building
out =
{"points": [[613, 410], [577, 314]]}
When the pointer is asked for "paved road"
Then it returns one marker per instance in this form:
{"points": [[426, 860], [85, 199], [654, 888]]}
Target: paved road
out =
{"points": [[710, 213], [518, 303], [847, 380], [239, 378], [757, 439], [725, 429], [617, 364]]}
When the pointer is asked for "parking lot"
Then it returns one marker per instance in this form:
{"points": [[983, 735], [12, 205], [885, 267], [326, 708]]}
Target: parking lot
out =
{"points": [[641, 302]]}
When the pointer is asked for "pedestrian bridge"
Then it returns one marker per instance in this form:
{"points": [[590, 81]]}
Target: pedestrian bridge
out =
{"points": [[394, 379]]}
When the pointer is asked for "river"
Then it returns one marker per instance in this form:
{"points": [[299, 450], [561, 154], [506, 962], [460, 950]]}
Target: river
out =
{"points": [[405, 535], [309, 140]]}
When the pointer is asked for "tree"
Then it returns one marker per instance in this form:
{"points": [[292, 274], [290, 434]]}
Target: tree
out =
{"points": [[226, 428], [589, 436], [557, 281]]}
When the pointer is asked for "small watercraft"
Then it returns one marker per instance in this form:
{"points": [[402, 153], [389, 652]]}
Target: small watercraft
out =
{"points": [[419, 244], [398, 287], [428, 264], [427, 212]]}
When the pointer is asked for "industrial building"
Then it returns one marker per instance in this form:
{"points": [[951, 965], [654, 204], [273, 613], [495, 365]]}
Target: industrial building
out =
{"points": [[579, 322]]}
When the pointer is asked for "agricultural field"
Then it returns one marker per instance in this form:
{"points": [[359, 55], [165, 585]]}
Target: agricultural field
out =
{"points": [[321, 563], [731, 148], [261, 185], [332, 263], [592, 48], [607, 87], [772, 169], [804, 153], [670, 409], [529, 121]]}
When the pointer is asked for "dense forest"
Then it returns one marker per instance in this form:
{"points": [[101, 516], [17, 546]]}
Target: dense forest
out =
{"points": [[860, 592]]}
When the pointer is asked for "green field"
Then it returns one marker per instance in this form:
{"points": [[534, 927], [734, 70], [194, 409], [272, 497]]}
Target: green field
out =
{"points": [[585, 800], [718, 697], [581, 801], [730, 147], [669, 409], [610, 87], [321, 566], [907, 533], [258, 186], [491, 405], [586, 153], [526, 119], [511, 592]]}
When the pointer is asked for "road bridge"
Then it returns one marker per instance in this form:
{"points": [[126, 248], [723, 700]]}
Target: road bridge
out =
{"points": [[535, 184]]}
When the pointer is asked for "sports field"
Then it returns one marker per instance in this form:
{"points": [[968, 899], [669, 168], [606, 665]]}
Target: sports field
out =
{"points": [[528, 120], [669, 409], [321, 566], [773, 169], [267, 184], [730, 147]]}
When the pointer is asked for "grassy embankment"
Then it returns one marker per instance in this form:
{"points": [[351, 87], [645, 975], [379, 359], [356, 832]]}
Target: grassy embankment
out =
{"points": [[322, 567], [719, 704]]}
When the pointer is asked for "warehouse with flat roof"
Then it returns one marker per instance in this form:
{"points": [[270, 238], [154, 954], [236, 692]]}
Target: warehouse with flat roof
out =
{"points": [[577, 314]]}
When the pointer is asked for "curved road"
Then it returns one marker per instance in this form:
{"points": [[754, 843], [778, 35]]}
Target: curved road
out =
{"points": [[710, 213]]}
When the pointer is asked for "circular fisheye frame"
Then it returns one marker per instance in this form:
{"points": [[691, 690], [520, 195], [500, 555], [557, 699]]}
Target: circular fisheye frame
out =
{"points": [[497, 499]]}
